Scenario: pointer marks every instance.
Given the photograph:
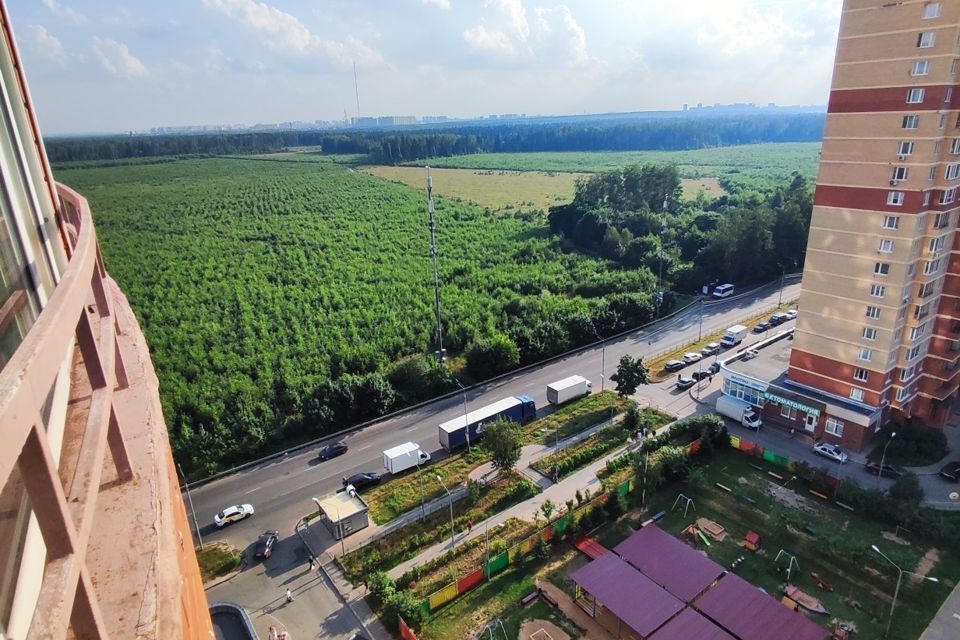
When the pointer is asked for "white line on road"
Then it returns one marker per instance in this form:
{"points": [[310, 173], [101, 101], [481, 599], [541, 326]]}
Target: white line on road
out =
{"points": [[363, 448], [252, 490]]}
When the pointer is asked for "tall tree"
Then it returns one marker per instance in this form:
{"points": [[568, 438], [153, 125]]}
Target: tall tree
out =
{"points": [[503, 439], [631, 373]]}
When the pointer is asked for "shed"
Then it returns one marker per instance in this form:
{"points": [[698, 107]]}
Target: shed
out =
{"points": [[344, 513], [690, 625]]}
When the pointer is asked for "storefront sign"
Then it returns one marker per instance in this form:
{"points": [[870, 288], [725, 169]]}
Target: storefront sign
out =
{"points": [[791, 403], [747, 382]]}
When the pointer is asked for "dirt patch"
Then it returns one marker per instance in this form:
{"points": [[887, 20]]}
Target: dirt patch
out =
{"points": [[542, 630], [892, 537], [790, 498], [926, 564]]}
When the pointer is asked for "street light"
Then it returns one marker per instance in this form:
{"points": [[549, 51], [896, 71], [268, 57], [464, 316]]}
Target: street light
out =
{"points": [[896, 591], [343, 548], [466, 419], [423, 513], [883, 458], [453, 542]]}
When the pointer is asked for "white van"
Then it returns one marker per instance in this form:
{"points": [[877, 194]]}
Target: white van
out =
{"points": [[723, 291]]}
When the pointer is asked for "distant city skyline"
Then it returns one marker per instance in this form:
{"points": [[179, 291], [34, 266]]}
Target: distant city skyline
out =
{"points": [[181, 63]]}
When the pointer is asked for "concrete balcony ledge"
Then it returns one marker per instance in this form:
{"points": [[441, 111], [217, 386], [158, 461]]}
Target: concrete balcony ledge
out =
{"points": [[231, 622]]}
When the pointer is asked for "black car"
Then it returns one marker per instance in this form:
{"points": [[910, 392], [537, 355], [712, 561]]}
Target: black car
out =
{"points": [[332, 450], [264, 546], [361, 480], [951, 471], [700, 375], [888, 470], [674, 365], [762, 327]]}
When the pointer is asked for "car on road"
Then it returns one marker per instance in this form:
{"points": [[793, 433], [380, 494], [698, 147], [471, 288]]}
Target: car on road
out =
{"points": [[791, 314], [874, 468], [361, 480], [711, 349], [761, 327], [831, 451], [778, 319], [701, 375], [750, 354], [692, 356], [236, 513], [332, 450], [714, 368], [685, 383], [674, 365], [951, 471], [264, 545]]}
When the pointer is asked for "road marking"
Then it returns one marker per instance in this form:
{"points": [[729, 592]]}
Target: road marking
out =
{"points": [[364, 448], [957, 616], [252, 490]]}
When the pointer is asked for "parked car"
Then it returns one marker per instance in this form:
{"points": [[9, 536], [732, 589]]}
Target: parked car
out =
{"points": [[236, 513], [674, 365], [778, 318], [791, 314], [750, 354], [264, 546], [361, 480], [685, 383], [951, 471], [761, 327], [332, 450], [711, 349], [714, 368], [875, 468], [831, 451], [692, 356], [701, 375]]}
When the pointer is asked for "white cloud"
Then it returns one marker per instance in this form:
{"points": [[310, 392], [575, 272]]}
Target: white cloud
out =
{"points": [[516, 14], [443, 4], [554, 37], [116, 58], [490, 41], [285, 32], [61, 11], [47, 44]]}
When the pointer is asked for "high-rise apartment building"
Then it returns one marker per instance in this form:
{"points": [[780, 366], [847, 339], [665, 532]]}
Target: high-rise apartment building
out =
{"points": [[94, 538], [879, 324]]}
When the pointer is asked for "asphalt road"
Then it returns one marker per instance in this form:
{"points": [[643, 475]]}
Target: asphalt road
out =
{"points": [[280, 489]]}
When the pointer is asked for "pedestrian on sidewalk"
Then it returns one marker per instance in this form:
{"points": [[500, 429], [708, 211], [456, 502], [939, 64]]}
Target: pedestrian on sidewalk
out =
{"points": [[289, 596], [310, 563], [365, 585], [469, 526]]}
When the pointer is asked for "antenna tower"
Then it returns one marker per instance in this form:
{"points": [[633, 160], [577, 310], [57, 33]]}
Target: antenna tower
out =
{"points": [[356, 88], [440, 353]]}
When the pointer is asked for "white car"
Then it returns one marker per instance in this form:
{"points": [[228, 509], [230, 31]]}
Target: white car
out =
{"points": [[831, 451], [750, 354], [791, 314], [711, 349], [692, 356], [236, 513]]}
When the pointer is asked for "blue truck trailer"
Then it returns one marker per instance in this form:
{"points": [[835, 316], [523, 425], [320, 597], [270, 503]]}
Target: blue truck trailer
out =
{"points": [[453, 433]]}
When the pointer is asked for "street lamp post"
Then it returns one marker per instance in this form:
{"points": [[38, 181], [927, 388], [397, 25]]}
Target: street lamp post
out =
{"points": [[453, 542], [193, 511], [896, 591], [423, 513], [883, 457], [466, 419]]}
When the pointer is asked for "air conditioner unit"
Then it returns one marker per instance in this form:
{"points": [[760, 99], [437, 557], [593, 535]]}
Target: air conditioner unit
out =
{"points": [[893, 183], [901, 157]]}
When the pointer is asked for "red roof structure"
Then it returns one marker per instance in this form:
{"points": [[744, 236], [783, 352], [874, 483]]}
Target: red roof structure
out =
{"points": [[750, 614], [635, 599], [690, 625], [676, 566]]}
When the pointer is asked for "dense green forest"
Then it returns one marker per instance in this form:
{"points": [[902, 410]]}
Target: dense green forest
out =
{"points": [[284, 300], [669, 134]]}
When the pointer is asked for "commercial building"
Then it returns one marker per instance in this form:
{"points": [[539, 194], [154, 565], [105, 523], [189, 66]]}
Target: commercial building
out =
{"points": [[879, 325], [94, 537]]}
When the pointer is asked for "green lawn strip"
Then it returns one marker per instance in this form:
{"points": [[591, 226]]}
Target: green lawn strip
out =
{"points": [[402, 493], [409, 540], [839, 552], [579, 455], [218, 559], [576, 417], [498, 598]]}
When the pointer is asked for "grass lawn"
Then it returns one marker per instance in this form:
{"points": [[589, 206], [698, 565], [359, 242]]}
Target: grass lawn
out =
{"points": [[218, 559], [839, 551], [497, 599], [576, 417], [409, 540]]}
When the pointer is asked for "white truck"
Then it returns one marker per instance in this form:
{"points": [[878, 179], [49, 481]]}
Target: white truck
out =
{"points": [[567, 389], [733, 336], [739, 410], [404, 456]]}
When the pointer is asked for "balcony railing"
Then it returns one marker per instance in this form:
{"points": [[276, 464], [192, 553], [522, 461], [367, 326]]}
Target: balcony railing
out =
{"points": [[78, 325]]}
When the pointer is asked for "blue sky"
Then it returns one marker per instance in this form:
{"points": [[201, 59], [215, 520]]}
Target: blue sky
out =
{"points": [[99, 66]]}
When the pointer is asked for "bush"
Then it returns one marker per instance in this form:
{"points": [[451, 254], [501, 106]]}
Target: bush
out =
{"points": [[916, 444], [381, 586], [403, 604], [487, 358]]}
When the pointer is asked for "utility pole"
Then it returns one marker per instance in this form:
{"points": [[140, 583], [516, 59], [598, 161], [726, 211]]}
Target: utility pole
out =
{"points": [[440, 353], [193, 513], [663, 225], [356, 89], [466, 416], [780, 300], [453, 541]]}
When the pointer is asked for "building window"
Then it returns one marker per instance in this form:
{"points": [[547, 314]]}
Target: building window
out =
{"points": [[926, 39], [895, 198], [861, 374], [932, 174], [900, 173], [877, 290], [905, 149], [935, 245], [941, 220], [873, 313], [902, 393], [932, 10], [948, 94], [910, 122], [918, 331], [891, 222], [865, 354], [915, 96], [926, 198], [931, 267], [948, 195], [943, 120], [834, 427], [952, 171], [937, 146], [911, 270], [869, 333], [788, 412], [920, 68], [856, 394], [914, 352], [899, 332], [882, 268], [906, 374], [886, 246]]}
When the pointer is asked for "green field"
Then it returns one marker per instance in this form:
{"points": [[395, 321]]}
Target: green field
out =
{"points": [[760, 165]]}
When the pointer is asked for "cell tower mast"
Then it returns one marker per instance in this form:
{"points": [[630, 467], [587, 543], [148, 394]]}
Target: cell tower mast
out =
{"points": [[440, 353]]}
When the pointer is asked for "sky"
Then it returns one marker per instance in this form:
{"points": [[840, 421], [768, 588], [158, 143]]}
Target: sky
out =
{"points": [[105, 66]]}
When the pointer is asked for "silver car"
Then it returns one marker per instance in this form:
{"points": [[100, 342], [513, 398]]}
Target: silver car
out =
{"points": [[831, 451]]}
